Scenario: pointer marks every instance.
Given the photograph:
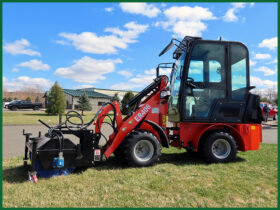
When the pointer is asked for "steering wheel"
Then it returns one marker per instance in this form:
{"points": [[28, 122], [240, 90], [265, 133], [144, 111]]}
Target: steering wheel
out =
{"points": [[190, 79]]}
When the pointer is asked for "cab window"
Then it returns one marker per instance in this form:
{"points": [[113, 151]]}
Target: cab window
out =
{"points": [[239, 65]]}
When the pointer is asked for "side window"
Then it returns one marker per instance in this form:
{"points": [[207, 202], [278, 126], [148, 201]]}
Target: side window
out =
{"points": [[215, 71], [238, 71], [196, 70]]}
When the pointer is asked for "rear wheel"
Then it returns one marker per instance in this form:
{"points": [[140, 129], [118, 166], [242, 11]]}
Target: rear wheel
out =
{"points": [[141, 148], [36, 108], [219, 147]]}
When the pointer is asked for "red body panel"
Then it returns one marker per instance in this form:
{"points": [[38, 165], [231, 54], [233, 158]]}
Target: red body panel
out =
{"points": [[247, 136]]}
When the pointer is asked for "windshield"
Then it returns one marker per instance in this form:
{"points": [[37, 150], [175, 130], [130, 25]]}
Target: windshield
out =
{"points": [[175, 82]]}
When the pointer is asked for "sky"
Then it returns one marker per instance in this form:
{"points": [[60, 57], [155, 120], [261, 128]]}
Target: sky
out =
{"points": [[116, 45]]}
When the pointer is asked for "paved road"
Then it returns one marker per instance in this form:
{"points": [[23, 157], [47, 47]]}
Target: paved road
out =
{"points": [[13, 140]]}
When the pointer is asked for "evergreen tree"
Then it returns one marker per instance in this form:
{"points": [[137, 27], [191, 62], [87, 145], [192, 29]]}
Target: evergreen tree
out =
{"points": [[127, 97], [9, 99], [37, 99], [115, 98], [83, 103], [28, 99], [56, 102]]}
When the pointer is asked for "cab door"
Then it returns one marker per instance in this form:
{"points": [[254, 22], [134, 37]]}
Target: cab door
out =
{"points": [[205, 80]]}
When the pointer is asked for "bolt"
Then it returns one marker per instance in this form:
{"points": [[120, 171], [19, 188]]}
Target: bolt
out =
{"points": [[123, 129]]}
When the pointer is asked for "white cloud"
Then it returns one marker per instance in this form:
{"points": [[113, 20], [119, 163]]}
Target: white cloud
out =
{"points": [[25, 82], [126, 74], [83, 86], [62, 42], [20, 47], [145, 9], [15, 69], [230, 15], [258, 82], [125, 86], [269, 43], [35, 65], [252, 63], [88, 70], [140, 80], [267, 71], [261, 56], [252, 4], [109, 9], [119, 39], [275, 61], [185, 20]]}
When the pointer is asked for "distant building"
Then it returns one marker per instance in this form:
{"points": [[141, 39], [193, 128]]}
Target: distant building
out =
{"points": [[97, 96], [110, 92]]}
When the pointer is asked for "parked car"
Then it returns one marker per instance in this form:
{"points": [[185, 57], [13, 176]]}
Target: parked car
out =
{"points": [[272, 110], [24, 105], [5, 104]]}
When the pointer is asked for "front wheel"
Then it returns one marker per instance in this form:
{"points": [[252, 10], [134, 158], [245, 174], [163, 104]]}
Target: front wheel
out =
{"points": [[275, 116], [219, 147], [141, 148], [14, 108]]}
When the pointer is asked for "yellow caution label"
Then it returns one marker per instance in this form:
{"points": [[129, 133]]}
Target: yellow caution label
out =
{"points": [[163, 120], [253, 127]]}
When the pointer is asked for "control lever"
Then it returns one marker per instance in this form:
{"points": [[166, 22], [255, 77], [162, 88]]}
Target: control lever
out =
{"points": [[45, 124]]}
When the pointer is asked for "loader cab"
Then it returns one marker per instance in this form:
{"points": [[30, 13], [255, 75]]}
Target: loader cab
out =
{"points": [[209, 82]]}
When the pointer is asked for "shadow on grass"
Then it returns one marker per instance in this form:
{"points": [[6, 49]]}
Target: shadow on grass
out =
{"points": [[174, 158], [15, 175], [19, 174]]}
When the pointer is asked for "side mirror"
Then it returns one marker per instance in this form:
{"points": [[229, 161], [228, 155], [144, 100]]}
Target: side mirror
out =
{"points": [[168, 47]]}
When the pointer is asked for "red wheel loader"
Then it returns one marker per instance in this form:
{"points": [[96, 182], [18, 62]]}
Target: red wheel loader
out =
{"points": [[206, 107]]}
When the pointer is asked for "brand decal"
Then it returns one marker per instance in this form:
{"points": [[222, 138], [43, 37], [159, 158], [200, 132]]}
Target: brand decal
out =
{"points": [[142, 113]]}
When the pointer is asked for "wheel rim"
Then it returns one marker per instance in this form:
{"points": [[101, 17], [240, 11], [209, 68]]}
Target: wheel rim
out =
{"points": [[143, 150], [221, 148]]}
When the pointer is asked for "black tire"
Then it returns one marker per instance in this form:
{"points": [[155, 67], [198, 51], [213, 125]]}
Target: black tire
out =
{"points": [[141, 148], [36, 108], [219, 147], [275, 116], [14, 108]]}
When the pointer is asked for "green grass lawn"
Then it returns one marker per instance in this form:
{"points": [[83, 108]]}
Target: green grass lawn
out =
{"points": [[178, 180], [32, 117]]}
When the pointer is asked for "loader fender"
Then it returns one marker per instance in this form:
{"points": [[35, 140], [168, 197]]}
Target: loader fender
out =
{"points": [[160, 131]]}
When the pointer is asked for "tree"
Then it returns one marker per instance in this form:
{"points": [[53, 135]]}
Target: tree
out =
{"points": [[28, 99], [83, 103], [15, 98], [56, 103], [9, 99], [127, 97], [5, 99], [263, 99], [37, 99], [115, 98]]}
